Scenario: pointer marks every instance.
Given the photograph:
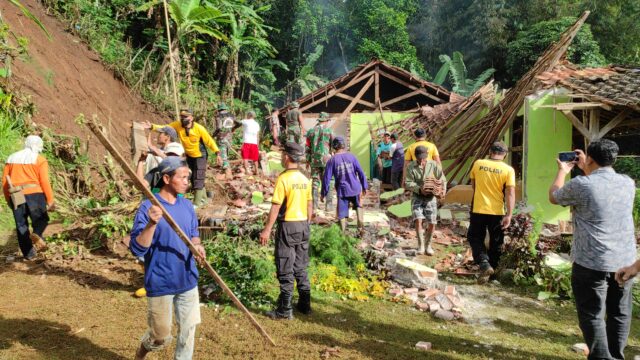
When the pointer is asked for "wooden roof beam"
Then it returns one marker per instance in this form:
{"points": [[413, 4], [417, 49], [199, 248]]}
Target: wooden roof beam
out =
{"points": [[410, 86], [364, 89], [577, 124], [350, 98], [333, 92], [613, 123], [400, 98]]}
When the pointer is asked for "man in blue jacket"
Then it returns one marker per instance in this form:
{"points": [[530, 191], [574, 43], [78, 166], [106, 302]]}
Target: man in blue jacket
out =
{"points": [[171, 276], [351, 183]]}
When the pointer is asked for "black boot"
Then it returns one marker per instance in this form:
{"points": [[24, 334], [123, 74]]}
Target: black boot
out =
{"points": [[304, 302], [283, 311]]}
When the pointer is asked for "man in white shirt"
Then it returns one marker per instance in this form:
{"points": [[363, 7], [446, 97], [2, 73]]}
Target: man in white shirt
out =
{"points": [[250, 137]]}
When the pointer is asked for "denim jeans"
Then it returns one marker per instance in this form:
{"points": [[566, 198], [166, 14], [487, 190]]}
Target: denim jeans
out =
{"points": [[604, 311], [35, 208], [186, 306]]}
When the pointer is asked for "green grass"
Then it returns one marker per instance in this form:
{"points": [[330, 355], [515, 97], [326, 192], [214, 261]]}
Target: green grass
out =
{"points": [[10, 141]]}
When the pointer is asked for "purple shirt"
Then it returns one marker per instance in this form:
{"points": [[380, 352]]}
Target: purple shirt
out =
{"points": [[397, 158], [350, 179]]}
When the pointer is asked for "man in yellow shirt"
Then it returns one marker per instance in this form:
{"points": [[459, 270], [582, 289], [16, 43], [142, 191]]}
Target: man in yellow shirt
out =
{"points": [[292, 210], [410, 152], [493, 184], [195, 139]]}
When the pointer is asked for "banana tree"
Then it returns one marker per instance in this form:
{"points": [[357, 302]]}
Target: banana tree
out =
{"points": [[457, 71], [192, 21]]}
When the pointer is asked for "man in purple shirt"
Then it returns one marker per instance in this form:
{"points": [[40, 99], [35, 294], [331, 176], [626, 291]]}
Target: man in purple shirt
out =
{"points": [[351, 183], [397, 161]]}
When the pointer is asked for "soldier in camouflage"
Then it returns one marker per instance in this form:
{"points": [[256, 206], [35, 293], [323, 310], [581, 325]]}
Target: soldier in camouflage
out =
{"points": [[318, 154], [293, 131], [225, 122]]}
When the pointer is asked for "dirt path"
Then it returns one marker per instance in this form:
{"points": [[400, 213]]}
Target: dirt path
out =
{"points": [[64, 78]]}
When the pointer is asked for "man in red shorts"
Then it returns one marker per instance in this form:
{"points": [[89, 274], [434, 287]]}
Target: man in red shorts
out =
{"points": [[250, 137]]}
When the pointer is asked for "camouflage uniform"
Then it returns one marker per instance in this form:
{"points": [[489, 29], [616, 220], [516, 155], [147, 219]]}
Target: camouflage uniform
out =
{"points": [[293, 132], [318, 151], [224, 135]]}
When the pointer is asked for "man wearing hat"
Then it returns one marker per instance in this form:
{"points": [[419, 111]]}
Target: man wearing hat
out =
{"points": [[225, 124], [432, 151], [423, 206], [165, 142], [384, 155], [291, 211], [318, 153], [171, 275], [397, 162], [351, 182], [293, 130], [195, 139], [493, 184]]}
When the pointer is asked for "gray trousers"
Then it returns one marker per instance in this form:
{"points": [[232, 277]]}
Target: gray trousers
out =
{"points": [[292, 256], [604, 311]]}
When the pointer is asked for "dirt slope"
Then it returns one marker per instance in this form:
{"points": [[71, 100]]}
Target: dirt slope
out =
{"points": [[65, 78]]}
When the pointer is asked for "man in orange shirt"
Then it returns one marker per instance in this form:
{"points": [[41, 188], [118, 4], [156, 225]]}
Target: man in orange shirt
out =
{"points": [[29, 170]]}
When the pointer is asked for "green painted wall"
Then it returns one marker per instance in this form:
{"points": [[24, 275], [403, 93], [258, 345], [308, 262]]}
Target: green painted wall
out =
{"points": [[360, 138], [547, 133]]}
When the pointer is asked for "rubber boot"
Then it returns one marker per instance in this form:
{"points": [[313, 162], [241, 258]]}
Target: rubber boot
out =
{"points": [[343, 224], [200, 197], [428, 235], [304, 302], [421, 244], [316, 198], [360, 214], [141, 353], [283, 311]]}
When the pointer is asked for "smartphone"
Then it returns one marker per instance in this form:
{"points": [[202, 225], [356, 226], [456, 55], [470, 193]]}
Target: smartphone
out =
{"points": [[568, 156]]}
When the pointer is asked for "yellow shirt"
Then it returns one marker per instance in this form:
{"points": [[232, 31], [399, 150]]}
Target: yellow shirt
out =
{"points": [[191, 142], [491, 177], [293, 188], [432, 150]]}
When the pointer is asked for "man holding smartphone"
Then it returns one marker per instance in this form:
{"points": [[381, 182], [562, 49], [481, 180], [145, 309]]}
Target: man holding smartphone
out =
{"points": [[603, 242]]}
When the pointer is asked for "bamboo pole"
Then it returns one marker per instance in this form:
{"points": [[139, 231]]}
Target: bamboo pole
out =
{"points": [[173, 74], [149, 195]]}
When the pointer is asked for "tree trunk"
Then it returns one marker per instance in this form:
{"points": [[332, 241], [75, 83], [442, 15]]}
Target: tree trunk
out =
{"points": [[232, 76]]}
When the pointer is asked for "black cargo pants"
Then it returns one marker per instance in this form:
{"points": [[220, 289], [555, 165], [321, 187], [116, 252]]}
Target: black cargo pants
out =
{"points": [[292, 255]]}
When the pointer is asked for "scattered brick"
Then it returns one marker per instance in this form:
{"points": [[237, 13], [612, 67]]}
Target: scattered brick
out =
{"points": [[422, 306], [444, 315], [429, 293], [450, 290], [423, 345], [396, 291], [444, 302], [411, 291]]}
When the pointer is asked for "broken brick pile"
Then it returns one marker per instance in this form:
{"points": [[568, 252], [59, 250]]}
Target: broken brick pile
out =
{"points": [[443, 303]]}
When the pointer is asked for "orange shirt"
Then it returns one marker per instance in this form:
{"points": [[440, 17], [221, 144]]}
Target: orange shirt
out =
{"points": [[22, 174]]}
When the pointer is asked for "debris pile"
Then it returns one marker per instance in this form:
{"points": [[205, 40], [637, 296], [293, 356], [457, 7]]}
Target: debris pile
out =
{"points": [[443, 302]]}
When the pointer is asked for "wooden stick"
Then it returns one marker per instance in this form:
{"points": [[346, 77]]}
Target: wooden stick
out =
{"points": [[173, 74], [149, 195]]}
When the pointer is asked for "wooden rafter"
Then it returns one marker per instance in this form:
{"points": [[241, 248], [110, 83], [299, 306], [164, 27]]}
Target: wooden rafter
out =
{"points": [[377, 84], [409, 85], [401, 97], [364, 89], [350, 98], [332, 93], [577, 123], [613, 123]]}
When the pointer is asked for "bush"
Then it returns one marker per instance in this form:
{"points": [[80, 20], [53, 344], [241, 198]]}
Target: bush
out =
{"points": [[331, 246], [246, 267]]}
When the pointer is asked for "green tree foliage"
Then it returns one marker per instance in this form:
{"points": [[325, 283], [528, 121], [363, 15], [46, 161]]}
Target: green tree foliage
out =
{"points": [[457, 71], [531, 43]]}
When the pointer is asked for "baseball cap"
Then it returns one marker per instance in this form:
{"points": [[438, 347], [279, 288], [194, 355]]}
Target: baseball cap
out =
{"points": [[294, 150], [499, 147], [419, 132], [185, 113], [174, 148], [421, 152], [171, 132], [394, 136], [323, 117]]}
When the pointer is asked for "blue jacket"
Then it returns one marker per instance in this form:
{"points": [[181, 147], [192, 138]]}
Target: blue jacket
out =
{"points": [[350, 178], [169, 266]]}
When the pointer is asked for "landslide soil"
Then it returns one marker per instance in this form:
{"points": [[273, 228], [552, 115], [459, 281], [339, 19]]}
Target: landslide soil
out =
{"points": [[64, 78]]}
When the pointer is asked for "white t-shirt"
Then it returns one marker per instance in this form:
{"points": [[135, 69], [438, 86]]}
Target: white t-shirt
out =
{"points": [[250, 131]]}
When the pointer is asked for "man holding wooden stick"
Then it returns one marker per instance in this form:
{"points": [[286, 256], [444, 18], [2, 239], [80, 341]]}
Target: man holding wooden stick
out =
{"points": [[292, 208], [171, 275]]}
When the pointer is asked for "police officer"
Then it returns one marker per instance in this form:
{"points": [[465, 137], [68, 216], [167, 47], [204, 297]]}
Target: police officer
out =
{"points": [[291, 210], [318, 154], [423, 206], [293, 131]]}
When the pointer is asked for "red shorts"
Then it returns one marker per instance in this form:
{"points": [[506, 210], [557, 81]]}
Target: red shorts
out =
{"points": [[250, 152]]}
